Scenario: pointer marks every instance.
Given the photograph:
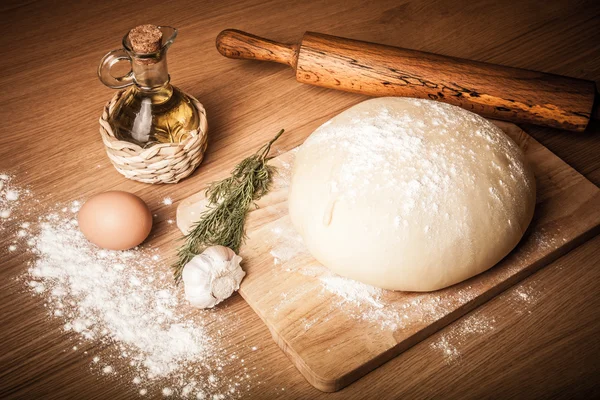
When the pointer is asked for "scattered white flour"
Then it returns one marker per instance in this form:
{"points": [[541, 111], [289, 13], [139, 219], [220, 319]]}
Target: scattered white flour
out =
{"points": [[114, 302], [167, 201], [9, 199], [352, 291], [458, 335], [12, 195], [522, 297], [455, 338], [127, 302], [386, 149], [288, 244], [125, 299]]}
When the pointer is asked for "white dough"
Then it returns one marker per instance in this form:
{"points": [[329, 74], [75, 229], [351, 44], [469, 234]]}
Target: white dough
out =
{"points": [[408, 194]]}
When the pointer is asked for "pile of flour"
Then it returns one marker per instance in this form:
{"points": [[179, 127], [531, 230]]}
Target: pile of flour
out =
{"points": [[125, 300]]}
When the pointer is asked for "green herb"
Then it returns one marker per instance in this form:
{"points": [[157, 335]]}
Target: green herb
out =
{"points": [[228, 203]]}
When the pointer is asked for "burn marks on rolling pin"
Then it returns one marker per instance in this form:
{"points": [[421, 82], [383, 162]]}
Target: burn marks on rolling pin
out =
{"points": [[410, 80], [405, 79]]}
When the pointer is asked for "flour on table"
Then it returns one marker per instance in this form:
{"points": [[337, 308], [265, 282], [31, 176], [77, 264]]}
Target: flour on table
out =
{"points": [[523, 296], [458, 335], [124, 299], [9, 199], [453, 340], [126, 302]]}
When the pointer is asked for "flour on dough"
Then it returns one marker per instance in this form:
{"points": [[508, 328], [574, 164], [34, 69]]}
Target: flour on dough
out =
{"points": [[409, 194]]}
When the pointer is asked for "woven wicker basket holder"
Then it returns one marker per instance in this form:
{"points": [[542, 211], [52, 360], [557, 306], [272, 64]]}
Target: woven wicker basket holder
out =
{"points": [[161, 163]]}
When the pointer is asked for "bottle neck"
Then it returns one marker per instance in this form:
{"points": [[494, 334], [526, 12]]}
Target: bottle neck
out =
{"points": [[150, 76]]}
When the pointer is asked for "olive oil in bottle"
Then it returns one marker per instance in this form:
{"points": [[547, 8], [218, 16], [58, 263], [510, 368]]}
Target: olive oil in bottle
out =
{"points": [[150, 110]]}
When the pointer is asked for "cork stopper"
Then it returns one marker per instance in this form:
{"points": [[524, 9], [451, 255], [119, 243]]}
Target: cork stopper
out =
{"points": [[145, 39]]}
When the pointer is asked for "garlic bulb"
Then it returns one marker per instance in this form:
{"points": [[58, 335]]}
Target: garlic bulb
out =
{"points": [[211, 277]]}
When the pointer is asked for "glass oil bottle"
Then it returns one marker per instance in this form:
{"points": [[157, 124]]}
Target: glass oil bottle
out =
{"points": [[150, 110]]}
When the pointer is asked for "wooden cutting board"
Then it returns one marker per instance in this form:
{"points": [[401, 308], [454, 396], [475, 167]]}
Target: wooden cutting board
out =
{"points": [[336, 334]]}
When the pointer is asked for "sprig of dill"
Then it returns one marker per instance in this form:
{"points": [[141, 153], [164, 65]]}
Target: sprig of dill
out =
{"points": [[228, 203]]}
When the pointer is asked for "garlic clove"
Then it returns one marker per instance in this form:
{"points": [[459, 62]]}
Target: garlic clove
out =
{"points": [[202, 300], [195, 272], [234, 263], [219, 253], [238, 275]]}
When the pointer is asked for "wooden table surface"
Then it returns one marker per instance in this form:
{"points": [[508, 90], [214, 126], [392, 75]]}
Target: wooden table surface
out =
{"points": [[51, 100]]}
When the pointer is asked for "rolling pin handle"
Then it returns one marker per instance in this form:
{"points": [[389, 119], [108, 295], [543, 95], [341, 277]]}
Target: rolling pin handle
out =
{"points": [[237, 44]]}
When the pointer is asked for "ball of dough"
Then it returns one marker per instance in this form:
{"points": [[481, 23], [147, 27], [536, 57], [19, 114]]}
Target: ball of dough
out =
{"points": [[409, 194]]}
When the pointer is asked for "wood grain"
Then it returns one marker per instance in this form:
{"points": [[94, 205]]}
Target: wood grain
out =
{"points": [[237, 44], [337, 348], [51, 101], [494, 91]]}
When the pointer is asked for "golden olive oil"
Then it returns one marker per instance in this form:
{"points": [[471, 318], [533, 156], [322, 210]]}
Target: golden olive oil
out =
{"points": [[164, 115], [150, 110]]}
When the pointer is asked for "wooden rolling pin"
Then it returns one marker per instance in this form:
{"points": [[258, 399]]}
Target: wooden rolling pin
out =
{"points": [[494, 91]]}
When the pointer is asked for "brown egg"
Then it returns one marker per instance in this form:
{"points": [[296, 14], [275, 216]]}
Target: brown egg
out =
{"points": [[115, 220]]}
